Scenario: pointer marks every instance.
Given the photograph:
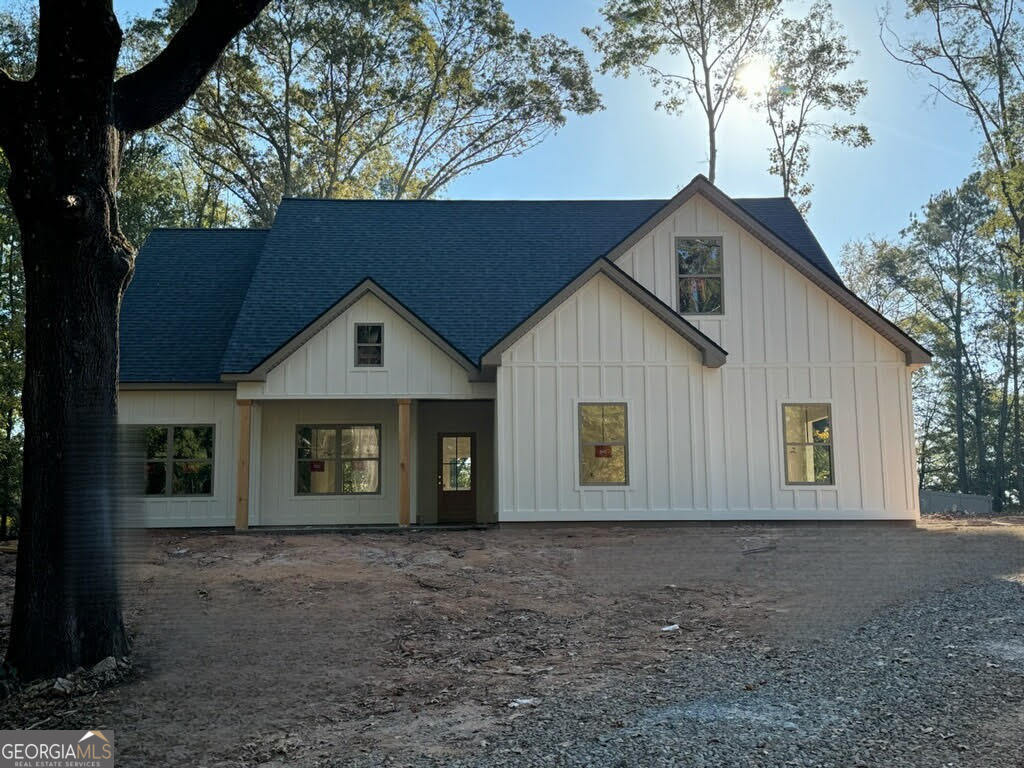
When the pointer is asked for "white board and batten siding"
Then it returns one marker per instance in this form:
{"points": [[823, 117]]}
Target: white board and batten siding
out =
{"points": [[181, 408], [599, 345], [705, 443], [278, 503], [324, 367]]}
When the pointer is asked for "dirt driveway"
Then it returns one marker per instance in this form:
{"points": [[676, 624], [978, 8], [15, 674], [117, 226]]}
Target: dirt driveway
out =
{"points": [[271, 649]]}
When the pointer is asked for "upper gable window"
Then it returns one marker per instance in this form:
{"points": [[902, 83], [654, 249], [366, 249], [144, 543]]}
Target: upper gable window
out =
{"points": [[369, 345], [699, 261]]}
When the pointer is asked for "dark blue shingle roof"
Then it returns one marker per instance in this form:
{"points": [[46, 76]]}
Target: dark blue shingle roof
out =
{"points": [[782, 217], [471, 270], [180, 309]]}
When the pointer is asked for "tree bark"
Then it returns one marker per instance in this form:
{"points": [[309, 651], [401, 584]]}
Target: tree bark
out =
{"points": [[712, 148], [64, 157], [982, 477], [1015, 445], [959, 420], [63, 136], [999, 470], [710, 112], [66, 604]]}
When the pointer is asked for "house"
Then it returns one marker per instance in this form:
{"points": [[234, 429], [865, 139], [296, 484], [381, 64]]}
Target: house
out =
{"points": [[397, 362]]}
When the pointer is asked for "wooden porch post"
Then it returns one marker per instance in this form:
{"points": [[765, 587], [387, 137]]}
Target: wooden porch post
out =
{"points": [[242, 479], [404, 459]]}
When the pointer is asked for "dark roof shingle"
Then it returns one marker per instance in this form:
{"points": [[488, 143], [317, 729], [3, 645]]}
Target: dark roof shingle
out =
{"points": [[471, 270], [180, 309], [784, 219]]}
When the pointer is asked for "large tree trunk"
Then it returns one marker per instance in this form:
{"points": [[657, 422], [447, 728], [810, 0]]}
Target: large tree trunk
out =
{"points": [[63, 133], [66, 606], [64, 157]]}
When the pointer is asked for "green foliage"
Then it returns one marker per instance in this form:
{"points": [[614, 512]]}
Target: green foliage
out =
{"points": [[687, 49], [972, 54], [804, 94], [12, 362], [866, 265], [17, 57], [950, 282], [150, 193], [389, 98], [18, 32]]}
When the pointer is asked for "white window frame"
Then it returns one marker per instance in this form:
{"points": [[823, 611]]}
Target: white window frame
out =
{"points": [[169, 461], [340, 459], [356, 325], [781, 416], [578, 444], [677, 275]]}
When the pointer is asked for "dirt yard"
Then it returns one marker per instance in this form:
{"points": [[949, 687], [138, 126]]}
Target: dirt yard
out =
{"points": [[301, 649]]}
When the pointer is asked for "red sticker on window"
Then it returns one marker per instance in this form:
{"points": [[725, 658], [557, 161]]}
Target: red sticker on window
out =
{"points": [[602, 451], [316, 466]]}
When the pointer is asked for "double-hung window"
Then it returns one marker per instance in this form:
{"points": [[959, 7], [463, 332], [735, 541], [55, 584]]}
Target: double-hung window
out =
{"points": [[179, 460], [369, 345], [604, 452], [699, 264], [808, 443], [342, 459]]}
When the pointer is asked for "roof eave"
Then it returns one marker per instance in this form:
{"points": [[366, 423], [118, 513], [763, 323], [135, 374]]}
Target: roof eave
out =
{"points": [[914, 353], [367, 286], [163, 385], [712, 355]]}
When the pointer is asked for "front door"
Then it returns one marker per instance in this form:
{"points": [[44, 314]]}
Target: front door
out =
{"points": [[456, 478]]}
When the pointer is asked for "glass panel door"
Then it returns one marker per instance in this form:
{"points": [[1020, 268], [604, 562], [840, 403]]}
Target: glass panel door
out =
{"points": [[456, 463], [456, 479]]}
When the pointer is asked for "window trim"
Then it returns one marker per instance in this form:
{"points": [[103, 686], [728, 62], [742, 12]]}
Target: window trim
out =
{"points": [[169, 461], [786, 483], [340, 459], [472, 454], [356, 345], [581, 483], [720, 238]]}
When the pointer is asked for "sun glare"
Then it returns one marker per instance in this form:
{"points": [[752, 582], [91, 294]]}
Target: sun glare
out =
{"points": [[755, 76]]}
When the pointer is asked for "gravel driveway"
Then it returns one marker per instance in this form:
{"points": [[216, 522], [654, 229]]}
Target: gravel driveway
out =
{"points": [[938, 683]]}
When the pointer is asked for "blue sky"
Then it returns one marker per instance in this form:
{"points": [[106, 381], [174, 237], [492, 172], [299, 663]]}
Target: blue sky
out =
{"points": [[629, 150]]}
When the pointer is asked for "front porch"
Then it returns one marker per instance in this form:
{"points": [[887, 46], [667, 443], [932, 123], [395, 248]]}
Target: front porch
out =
{"points": [[365, 462]]}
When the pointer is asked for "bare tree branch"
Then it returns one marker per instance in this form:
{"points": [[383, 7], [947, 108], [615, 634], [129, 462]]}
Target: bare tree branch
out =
{"points": [[160, 88]]}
